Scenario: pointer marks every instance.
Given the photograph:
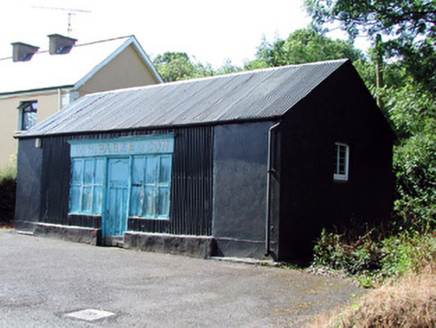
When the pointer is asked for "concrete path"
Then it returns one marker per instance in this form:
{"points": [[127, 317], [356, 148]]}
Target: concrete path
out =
{"points": [[43, 281]]}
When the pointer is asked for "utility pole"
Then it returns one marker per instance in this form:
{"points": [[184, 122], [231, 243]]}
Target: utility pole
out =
{"points": [[378, 69], [70, 12]]}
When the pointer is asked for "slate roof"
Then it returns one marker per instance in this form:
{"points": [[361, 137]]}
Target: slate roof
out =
{"points": [[251, 95], [45, 71]]}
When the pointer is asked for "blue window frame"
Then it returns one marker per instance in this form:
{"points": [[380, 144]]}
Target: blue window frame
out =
{"points": [[86, 192], [151, 179], [148, 177]]}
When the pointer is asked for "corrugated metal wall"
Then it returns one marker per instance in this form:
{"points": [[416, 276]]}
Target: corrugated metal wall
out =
{"points": [[191, 185]]}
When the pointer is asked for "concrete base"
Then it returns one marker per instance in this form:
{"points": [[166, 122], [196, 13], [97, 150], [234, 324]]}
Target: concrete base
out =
{"points": [[194, 246], [226, 247], [76, 234]]}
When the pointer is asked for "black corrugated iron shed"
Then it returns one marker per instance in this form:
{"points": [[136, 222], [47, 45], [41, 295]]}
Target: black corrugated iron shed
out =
{"points": [[248, 96], [224, 194]]}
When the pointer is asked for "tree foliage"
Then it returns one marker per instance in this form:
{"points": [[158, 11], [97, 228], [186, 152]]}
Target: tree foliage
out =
{"points": [[409, 27], [302, 46], [175, 66]]}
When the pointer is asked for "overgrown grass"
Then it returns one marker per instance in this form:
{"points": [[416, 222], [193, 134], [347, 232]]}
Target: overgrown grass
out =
{"points": [[407, 302], [8, 177], [400, 266]]}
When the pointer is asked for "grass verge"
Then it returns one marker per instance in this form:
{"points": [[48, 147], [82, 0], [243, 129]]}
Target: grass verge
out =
{"points": [[407, 302]]}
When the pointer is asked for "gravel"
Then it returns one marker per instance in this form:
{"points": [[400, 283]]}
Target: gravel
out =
{"points": [[43, 280]]}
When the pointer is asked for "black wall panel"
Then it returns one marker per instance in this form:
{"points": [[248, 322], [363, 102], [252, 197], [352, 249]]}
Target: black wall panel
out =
{"points": [[28, 195], [191, 189]]}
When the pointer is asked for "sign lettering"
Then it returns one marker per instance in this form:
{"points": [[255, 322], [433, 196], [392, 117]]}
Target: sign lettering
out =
{"points": [[121, 146]]}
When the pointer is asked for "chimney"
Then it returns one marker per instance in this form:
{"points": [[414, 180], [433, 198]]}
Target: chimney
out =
{"points": [[22, 52], [60, 45]]}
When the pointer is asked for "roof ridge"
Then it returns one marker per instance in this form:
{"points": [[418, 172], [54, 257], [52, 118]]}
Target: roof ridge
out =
{"points": [[221, 76]]}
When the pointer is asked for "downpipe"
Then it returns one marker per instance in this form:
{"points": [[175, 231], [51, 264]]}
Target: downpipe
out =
{"points": [[270, 172]]}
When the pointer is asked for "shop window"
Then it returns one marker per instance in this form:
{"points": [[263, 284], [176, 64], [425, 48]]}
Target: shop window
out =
{"points": [[147, 176], [27, 114], [87, 180], [341, 161], [150, 193]]}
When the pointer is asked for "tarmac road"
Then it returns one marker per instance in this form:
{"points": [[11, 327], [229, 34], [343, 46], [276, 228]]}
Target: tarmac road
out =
{"points": [[43, 280]]}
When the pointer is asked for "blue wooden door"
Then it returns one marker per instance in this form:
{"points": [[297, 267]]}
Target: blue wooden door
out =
{"points": [[117, 197]]}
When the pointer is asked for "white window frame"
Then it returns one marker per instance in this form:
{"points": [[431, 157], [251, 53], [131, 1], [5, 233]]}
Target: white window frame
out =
{"points": [[337, 175], [21, 113]]}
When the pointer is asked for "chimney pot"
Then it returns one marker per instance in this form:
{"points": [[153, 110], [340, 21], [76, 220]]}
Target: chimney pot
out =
{"points": [[22, 52], [60, 45]]}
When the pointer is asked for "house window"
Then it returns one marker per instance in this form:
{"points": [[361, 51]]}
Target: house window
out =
{"points": [[27, 114], [341, 160]]}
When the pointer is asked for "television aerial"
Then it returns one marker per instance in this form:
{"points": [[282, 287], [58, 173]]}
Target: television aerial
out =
{"points": [[70, 12]]}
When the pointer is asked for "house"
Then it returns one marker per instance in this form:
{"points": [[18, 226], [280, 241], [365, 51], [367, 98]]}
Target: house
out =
{"points": [[36, 84], [251, 164]]}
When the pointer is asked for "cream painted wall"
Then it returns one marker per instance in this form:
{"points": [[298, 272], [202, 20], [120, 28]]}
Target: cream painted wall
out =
{"points": [[124, 71], [9, 115]]}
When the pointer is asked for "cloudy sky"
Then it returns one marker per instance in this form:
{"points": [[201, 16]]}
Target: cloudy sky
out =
{"points": [[211, 31]]}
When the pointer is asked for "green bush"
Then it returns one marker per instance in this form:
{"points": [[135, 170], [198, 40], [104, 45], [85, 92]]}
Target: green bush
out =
{"points": [[415, 173], [407, 253], [338, 252], [372, 259], [7, 195], [412, 110]]}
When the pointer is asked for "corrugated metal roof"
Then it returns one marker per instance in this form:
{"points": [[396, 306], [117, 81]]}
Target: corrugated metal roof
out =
{"points": [[45, 71], [251, 95]]}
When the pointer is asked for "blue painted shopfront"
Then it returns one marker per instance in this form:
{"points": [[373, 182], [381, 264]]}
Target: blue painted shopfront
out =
{"points": [[121, 178]]}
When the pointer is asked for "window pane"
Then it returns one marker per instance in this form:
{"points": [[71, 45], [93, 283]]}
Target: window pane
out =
{"points": [[164, 202], [99, 171], [342, 151], [150, 201], [89, 171], [151, 172], [77, 170], [87, 200], [75, 200], [136, 200], [138, 170], [165, 170], [29, 120], [97, 200]]}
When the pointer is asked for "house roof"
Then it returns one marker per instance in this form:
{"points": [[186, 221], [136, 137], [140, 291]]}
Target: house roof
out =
{"points": [[251, 95], [45, 71]]}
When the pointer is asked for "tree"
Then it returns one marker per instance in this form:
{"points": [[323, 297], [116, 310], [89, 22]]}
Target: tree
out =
{"points": [[409, 27], [228, 68], [174, 66], [303, 46]]}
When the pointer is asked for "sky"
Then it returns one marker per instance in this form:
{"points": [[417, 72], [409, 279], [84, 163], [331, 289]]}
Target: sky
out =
{"points": [[208, 31]]}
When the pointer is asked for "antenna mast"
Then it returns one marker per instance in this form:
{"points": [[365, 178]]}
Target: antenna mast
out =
{"points": [[69, 11]]}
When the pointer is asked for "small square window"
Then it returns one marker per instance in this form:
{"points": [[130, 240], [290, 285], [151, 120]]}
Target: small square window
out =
{"points": [[341, 160], [28, 110]]}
